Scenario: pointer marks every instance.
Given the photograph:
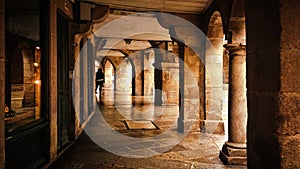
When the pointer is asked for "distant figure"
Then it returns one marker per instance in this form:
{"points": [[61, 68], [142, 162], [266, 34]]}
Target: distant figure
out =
{"points": [[99, 80]]}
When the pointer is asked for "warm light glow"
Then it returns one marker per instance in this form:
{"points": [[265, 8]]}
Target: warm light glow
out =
{"points": [[97, 64], [37, 82], [224, 39], [37, 47], [35, 64]]}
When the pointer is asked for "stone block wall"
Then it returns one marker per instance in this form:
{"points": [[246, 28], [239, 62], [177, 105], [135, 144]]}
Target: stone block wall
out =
{"points": [[109, 74], [170, 74], [214, 76], [28, 60], [289, 98], [273, 60], [149, 74], [2, 83]]}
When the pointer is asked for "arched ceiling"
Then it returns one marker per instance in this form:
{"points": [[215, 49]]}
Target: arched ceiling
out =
{"points": [[141, 28], [102, 53], [120, 44], [137, 27], [177, 6]]}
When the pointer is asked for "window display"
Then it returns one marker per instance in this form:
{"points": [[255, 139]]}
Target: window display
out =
{"points": [[22, 70]]}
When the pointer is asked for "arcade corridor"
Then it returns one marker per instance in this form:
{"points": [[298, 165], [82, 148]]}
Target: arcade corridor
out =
{"points": [[184, 84], [196, 150]]}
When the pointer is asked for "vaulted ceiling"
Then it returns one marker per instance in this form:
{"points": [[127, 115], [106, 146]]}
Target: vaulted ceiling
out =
{"points": [[140, 28], [178, 6]]}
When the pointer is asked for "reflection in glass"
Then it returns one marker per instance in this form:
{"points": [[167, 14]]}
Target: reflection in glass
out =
{"points": [[22, 71]]}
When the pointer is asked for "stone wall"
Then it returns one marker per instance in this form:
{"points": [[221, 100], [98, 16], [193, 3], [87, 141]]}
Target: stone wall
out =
{"points": [[123, 73], [123, 80], [273, 83], [2, 83], [109, 75], [53, 83], [289, 97], [149, 73], [170, 74], [214, 76], [28, 60]]}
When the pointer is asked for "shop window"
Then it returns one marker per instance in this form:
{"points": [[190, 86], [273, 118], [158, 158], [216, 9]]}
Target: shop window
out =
{"points": [[22, 67]]}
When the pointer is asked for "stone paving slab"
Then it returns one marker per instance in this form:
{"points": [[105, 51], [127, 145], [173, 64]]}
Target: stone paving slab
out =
{"points": [[193, 150], [140, 124]]}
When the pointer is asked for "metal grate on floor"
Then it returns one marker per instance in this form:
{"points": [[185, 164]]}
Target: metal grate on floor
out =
{"points": [[140, 125]]}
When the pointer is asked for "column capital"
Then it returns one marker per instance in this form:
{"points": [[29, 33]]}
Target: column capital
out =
{"points": [[236, 49]]}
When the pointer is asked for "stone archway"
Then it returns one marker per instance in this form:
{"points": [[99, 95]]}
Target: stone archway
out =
{"points": [[109, 71], [214, 76]]}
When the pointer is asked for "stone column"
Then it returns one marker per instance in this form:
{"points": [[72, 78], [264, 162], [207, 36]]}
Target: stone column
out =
{"points": [[170, 86], [52, 35], [188, 119], [234, 150]]}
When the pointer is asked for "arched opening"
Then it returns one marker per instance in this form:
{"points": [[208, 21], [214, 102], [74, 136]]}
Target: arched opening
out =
{"points": [[133, 75], [107, 97], [148, 73], [216, 77], [109, 72], [123, 86]]}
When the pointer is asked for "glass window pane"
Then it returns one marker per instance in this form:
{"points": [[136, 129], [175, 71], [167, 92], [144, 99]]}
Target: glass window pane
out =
{"points": [[22, 68]]}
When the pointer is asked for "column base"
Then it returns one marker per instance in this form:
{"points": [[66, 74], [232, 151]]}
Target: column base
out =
{"points": [[189, 125], [234, 154], [212, 126]]}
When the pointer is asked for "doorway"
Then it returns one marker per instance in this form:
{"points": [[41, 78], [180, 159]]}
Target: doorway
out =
{"points": [[63, 115]]}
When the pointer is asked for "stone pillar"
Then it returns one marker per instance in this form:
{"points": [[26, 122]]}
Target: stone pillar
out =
{"points": [[52, 83], [84, 30], [188, 119], [170, 85], [123, 81], [91, 74], [234, 150], [149, 73]]}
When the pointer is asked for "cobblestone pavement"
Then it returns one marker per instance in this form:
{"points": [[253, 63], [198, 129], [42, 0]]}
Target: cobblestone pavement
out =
{"points": [[172, 150]]}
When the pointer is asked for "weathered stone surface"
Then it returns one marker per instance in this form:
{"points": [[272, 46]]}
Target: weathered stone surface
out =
{"points": [[234, 149], [215, 30], [273, 96], [289, 117], [213, 115], [233, 160], [212, 126], [290, 79], [214, 77], [217, 46], [170, 82], [185, 126], [289, 153], [189, 35], [53, 83], [2, 82]]}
